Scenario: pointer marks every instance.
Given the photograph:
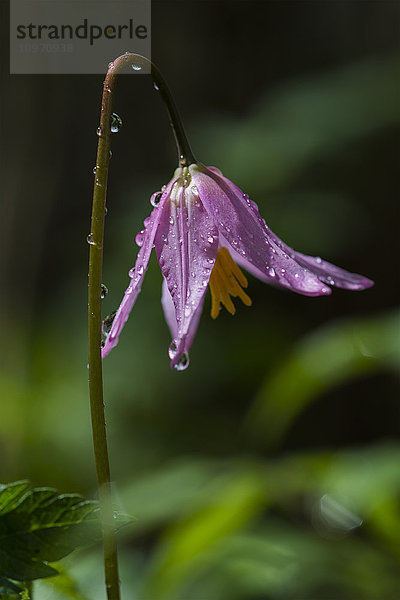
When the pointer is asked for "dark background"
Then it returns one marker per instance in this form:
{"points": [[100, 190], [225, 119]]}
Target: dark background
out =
{"points": [[250, 473]]}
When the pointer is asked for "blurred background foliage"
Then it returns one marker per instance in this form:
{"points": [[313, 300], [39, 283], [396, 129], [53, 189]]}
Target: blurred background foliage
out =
{"points": [[270, 469]]}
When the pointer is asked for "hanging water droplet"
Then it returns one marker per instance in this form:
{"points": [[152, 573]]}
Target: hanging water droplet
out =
{"points": [[155, 199], [172, 349], [94, 169], [90, 239], [132, 272], [98, 131], [107, 323], [116, 123], [183, 362], [104, 291], [139, 238], [136, 67]]}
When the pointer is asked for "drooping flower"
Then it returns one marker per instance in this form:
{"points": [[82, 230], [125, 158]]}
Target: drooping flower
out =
{"points": [[204, 228]]}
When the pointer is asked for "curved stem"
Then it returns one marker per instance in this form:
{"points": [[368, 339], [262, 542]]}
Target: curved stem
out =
{"points": [[95, 240]]}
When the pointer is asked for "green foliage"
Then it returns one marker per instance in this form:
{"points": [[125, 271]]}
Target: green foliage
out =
{"points": [[38, 527], [323, 360]]}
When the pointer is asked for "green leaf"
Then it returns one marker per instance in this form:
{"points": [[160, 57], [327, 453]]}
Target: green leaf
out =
{"points": [[38, 527]]}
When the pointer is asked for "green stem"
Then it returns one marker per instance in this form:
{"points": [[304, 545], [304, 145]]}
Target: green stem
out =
{"points": [[94, 303]]}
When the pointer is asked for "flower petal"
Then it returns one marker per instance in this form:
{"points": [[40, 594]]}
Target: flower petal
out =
{"points": [[186, 244], [240, 223], [170, 317], [146, 237]]}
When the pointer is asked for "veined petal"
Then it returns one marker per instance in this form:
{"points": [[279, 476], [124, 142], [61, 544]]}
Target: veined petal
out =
{"points": [[132, 291], [324, 270], [186, 244], [240, 223], [330, 273], [170, 317]]}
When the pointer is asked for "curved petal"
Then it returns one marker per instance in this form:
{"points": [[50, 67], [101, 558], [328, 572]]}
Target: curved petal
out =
{"points": [[240, 223], [324, 270], [186, 244], [170, 317], [146, 239]]}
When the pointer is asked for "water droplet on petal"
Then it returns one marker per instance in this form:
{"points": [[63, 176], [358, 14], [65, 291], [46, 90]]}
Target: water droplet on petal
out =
{"points": [[132, 272], [318, 259], [172, 349], [94, 169], [110, 65], [271, 272], [136, 67], [155, 199], [139, 238], [104, 291], [171, 220], [99, 131], [90, 239], [183, 362], [116, 123], [211, 239], [140, 270], [107, 323], [296, 275]]}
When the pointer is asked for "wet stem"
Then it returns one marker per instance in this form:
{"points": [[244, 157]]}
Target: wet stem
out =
{"points": [[95, 240]]}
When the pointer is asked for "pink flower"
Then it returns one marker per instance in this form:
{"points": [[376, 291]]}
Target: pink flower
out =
{"points": [[202, 227]]}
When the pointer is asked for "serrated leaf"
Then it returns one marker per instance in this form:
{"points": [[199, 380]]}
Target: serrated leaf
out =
{"points": [[40, 526]]}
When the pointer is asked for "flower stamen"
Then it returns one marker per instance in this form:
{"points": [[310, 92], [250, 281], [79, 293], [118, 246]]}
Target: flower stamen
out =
{"points": [[226, 280]]}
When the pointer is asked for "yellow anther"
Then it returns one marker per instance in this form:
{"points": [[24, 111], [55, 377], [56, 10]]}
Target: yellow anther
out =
{"points": [[226, 280]]}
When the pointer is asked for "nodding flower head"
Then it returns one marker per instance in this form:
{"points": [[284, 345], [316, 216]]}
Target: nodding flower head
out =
{"points": [[204, 228]]}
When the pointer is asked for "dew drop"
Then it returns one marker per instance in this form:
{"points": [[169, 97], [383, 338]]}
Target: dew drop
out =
{"points": [[136, 67], [318, 260], [90, 239], [104, 291], [94, 169], [140, 270], [155, 86], [296, 275], [211, 239], [139, 238], [110, 65], [155, 199], [132, 272], [171, 220], [183, 362], [98, 131], [107, 323], [116, 123], [172, 349], [271, 272]]}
